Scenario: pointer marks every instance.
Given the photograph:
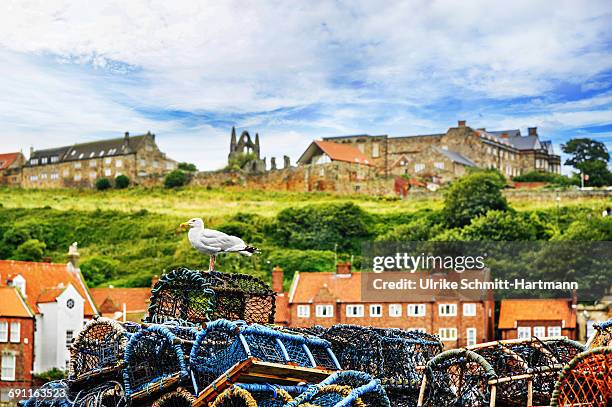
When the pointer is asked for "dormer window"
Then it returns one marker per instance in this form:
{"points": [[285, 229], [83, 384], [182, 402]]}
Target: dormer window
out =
{"points": [[43, 160], [92, 154], [101, 153], [54, 159], [81, 155], [73, 152], [34, 161]]}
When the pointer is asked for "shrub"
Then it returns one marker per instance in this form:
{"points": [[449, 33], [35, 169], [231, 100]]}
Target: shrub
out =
{"points": [[31, 250], [103, 184], [50, 375], [98, 269], [175, 179], [419, 229], [122, 182], [536, 176], [187, 167], [500, 226], [473, 195]]}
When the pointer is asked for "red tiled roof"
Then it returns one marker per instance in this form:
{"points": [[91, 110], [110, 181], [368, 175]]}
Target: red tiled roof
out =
{"points": [[7, 159], [136, 300], [342, 152], [49, 295], [536, 310], [13, 304], [343, 287], [41, 277]]}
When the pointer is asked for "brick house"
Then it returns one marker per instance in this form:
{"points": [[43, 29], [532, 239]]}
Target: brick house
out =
{"points": [[10, 168], [16, 341], [80, 165], [123, 304], [59, 302], [537, 317], [328, 298], [444, 156]]}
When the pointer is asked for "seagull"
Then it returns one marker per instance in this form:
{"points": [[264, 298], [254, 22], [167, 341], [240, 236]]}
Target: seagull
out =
{"points": [[213, 242]]}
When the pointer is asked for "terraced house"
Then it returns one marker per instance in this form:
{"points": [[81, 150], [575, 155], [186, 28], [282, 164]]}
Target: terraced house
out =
{"points": [[80, 165]]}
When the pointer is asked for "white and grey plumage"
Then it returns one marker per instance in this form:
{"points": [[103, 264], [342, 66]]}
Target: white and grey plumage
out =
{"points": [[213, 242]]}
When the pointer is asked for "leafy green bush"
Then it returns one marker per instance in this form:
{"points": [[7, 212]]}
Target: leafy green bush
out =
{"points": [[187, 167], [103, 184], [98, 269], [500, 226], [537, 176], [31, 250], [50, 375], [122, 182], [175, 179], [473, 195], [237, 162], [419, 229]]}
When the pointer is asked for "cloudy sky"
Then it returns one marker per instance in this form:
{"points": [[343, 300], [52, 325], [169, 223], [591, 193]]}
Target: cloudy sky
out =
{"points": [[293, 71]]}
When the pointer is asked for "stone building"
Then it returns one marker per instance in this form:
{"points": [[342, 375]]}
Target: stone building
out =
{"points": [[80, 165], [329, 298], [444, 156], [524, 318], [10, 168], [245, 146]]}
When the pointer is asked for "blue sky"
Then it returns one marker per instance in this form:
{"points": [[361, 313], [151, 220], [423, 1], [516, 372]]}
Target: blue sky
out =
{"points": [[297, 71]]}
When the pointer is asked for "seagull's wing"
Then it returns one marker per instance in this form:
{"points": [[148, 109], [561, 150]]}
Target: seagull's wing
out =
{"points": [[221, 241]]}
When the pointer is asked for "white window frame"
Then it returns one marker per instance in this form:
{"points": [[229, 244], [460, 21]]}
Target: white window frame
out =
{"points": [[4, 328], [416, 310], [419, 167], [9, 361], [439, 165], [375, 150], [555, 330], [93, 175], [15, 336], [471, 336], [448, 334], [44, 160], [34, 178], [376, 314], [303, 311], [108, 172], [450, 312], [523, 332], [77, 165], [77, 176], [469, 309], [324, 311], [34, 161], [66, 172], [418, 330], [93, 164], [43, 175], [118, 163], [355, 310], [54, 175], [539, 331], [107, 160], [395, 310]]}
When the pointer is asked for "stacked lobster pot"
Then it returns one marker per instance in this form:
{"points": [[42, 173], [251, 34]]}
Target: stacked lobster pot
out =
{"points": [[207, 341]]}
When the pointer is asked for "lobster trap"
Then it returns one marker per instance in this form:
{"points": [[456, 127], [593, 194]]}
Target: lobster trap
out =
{"points": [[177, 398], [602, 336], [222, 344], [586, 381], [97, 350]]}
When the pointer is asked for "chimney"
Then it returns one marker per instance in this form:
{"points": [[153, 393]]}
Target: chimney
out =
{"points": [[278, 277], [504, 135], [31, 151], [127, 135], [343, 268], [73, 256], [461, 123], [532, 131]]}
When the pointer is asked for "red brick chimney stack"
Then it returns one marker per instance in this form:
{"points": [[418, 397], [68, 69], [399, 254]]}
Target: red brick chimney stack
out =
{"points": [[504, 135], [278, 277], [343, 268], [461, 123], [533, 131]]}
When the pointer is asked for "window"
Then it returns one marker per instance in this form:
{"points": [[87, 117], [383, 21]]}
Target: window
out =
{"points": [[43, 175], [524, 332], [54, 175], [118, 163], [419, 167], [539, 331], [439, 165], [324, 311], [395, 310], [448, 334], [107, 160], [112, 151], [93, 163], [169, 165], [77, 165], [554, 331], [149, 147], [3, 331], [93, 175], [142, 163], [361, 147], [91, 154], [108, 172], [303, 311], [416, 310], [34, 161], [81, 155], [69, 338], [155, 164], [469, 309], [447, 310], [8, 367], [375, 150], [418, 330], [33, 177], [54, 159], [66, 172], [470, 335], [15, 332], [354, 311], [376, 310], [321, 172], [101, 153], [44, 160], [77, 176]]}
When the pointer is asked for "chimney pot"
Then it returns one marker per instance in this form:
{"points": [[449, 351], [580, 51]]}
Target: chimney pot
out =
{"points": [[533, 131], [343, 268], [127, 134], [461, 123], [31, 151], [278, 277], [73, 256]]}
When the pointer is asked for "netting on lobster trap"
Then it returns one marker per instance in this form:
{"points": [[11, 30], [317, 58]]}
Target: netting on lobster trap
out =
{"points": [[98, 348], [457, 377], [181, 295], [268, 395], [602, 336], [222, 343], [347, 388], [154, 360], [586, 381], [50, 394], [177, 398], [234, 397]]}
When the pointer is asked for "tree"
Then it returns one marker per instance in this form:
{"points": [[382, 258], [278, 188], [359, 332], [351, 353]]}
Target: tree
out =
{"points": [[122, 182], [187, 167], [237, 162], [500, 226], [31, 250], [591, 158], [598, 173], [98, 269], [473, 195], [175, 179], [103, 184]]}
